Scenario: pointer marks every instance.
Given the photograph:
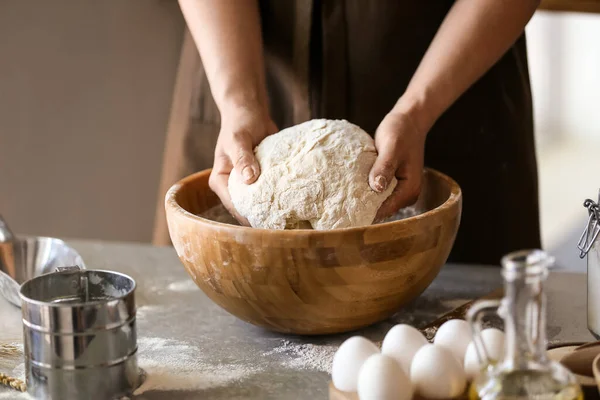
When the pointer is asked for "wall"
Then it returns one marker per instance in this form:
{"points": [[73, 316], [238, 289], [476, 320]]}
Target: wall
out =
{"points": [[85, 92], [564, 61], [564, 58], [86, 88]]}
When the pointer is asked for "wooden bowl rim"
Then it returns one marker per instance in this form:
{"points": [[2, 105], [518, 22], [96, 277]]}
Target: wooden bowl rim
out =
{"points": [[172, 205]]}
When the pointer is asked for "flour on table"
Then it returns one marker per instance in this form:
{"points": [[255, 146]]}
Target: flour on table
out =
{"points": [[187, 285], [175, 365], [172, 365], [14, 395], [315, 174], [305, 355], [142, 312], [169, 365]]}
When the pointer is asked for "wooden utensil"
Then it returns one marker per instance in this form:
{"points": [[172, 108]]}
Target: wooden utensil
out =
{"points": [[460, 312], [579, 358], [313, 282]]}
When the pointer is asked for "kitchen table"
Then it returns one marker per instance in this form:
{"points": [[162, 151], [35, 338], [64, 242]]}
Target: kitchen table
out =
{"points": [[193, 349]]}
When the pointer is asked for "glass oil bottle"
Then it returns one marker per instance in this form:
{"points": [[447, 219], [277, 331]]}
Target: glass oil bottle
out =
{"points": [[525, 372]]}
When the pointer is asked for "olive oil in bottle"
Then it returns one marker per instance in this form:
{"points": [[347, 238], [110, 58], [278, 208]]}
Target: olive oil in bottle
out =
{"points": [[525, 372]]}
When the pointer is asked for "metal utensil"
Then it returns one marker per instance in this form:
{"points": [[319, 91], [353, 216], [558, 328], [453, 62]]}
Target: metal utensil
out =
{"points": [[7, 262], [24, 258], [6, 235], [80, 338]]}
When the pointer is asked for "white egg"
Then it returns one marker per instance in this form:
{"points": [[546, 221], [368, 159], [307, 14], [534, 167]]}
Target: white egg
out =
{"points": [[436, 373], [402, 343], [455, 335], [382, 378], [493, 339], [347, 362]]}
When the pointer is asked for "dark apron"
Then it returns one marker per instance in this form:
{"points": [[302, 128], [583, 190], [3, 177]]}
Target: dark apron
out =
{"points": [[353, 59]]}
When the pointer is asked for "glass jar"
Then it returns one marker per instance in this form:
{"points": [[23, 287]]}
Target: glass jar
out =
{"points": [[525, 372], [589, 246]]}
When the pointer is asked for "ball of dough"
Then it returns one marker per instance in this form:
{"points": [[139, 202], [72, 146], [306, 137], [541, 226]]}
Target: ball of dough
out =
{"points": [[315, 174]]}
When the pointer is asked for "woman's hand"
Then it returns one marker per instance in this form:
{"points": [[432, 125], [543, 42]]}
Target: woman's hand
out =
{"points": [[400, 145], [472, 38], [228, 36], [242, 129]]}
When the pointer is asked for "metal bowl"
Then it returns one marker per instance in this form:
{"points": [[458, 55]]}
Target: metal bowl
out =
{"points": [[22, 259]]}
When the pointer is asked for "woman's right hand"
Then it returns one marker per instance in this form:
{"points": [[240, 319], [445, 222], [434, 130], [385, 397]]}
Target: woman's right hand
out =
{"points": [[242, 129]]}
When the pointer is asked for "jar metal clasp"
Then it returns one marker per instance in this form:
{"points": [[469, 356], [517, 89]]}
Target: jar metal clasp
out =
{"points": [[592, 228]]}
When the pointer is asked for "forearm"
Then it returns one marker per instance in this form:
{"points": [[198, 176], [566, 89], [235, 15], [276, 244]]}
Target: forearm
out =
{"points": [[228, 36], [473, 37]]}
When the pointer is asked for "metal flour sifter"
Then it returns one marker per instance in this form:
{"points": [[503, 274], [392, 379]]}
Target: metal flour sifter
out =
{"points": [[79, 325]]}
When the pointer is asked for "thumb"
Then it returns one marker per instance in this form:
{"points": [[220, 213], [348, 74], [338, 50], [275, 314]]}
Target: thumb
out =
{"points": [[383, 171], [241, 154]]}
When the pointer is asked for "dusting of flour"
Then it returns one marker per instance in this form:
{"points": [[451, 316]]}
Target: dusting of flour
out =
{"points": [[142, 312], [175, 365], [306, 355], [183, 286], [14, 395], [172, 365]]}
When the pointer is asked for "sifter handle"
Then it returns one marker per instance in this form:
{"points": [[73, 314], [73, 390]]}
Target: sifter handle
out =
{"points": [[72, 268]]}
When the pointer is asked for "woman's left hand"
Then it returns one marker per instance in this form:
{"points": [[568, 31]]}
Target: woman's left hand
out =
{"points": [[401, 147]]}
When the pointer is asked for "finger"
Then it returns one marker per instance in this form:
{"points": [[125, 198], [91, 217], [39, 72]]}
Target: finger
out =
{"points": [[406, 193], [219, 183], [223, 193], [241, 153], [383, 171]]}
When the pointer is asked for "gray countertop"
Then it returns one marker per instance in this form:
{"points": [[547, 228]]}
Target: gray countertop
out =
{"points": [[193, 349]]}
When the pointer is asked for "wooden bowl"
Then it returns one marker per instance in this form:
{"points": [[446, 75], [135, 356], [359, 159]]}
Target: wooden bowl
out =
{"points": [[313, 282]]}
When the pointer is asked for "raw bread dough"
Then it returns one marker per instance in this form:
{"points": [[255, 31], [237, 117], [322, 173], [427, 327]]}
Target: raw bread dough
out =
{"points": [[315, 174]]}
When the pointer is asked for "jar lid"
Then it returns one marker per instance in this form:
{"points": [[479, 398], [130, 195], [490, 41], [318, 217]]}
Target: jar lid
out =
{"points": [[592, 229]]}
